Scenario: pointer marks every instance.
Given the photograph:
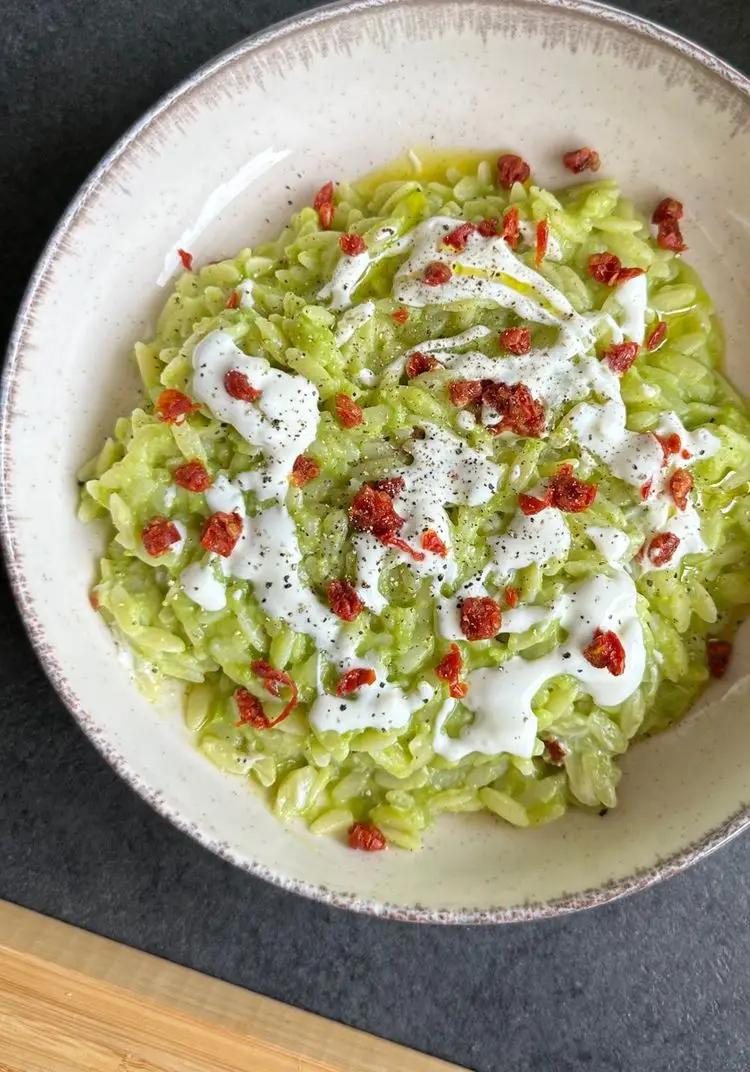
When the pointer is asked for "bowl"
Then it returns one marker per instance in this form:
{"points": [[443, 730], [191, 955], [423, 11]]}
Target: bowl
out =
{"points": [[218, 164]]}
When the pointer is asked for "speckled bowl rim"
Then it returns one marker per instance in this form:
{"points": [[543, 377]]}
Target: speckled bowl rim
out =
{"points": [[55, 672]]}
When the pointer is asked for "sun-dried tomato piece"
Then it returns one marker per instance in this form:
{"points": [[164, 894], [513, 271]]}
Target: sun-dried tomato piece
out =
{"points": [[621, 356], [604, 268], [519, 411], [304, 470], [511, 168], [323, 204], [629, 273], [680, 484], [449, 670], [645, 489], [463, 392], [344, 601], [669, 210], [436, 274], [94, 601], [578, 160], [417, 363], [511, 596], [669, 236], [324, 195], [348, 412], [569, 493], [685, 454], [459, 236], [400, 315], [402, 545], [431, 542], [657, 336], [554, 751], [481, 618], [367, 837], [250, 709], [158, 536], [352, 244], [173, 406], [606, 652], [662, 548], [237, 385], [532, 504], [542, 241], [233, 300], [718, 654], [488, 228], [392, 485], [273, 682], [355, 679], [670, 444], [193, 476], [221, 531], [372, 511], [516, 340], [186, 258], [512, 227]]}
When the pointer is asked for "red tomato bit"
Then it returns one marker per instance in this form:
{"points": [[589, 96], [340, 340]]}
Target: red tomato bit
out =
{"points": [[221, 532], [621, 356], [250, 709], [431, 542], [273, 682], [510, 169], [459, 236], [512, 227], [158, 535], [511, 596], [237, 385], [657, 336], [662, 547], [669, 210], [372, 511], [173, 406], [605, 652], [323, 204], [94, 600], [669, 236], [646, 489], [516, 340], [355, 679], [554, 751], [519, 411], [233, 300], [604, 268], [629, 273], [488, 228], [449, 669], [348, 412], [480, 618], [463, 392], [436, 274], [366, 837], [417, 363], [680, 484], [352, 245], [542, 241], [344, 601], [400, 315], [670, 445], [718, 653], [578, 160], [304, 470], [193, 476], [531, 504], [186, 258], [569, 493]]}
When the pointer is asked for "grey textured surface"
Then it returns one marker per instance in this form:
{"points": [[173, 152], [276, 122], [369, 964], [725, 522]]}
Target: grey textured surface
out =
{"points": [[656, 983]]}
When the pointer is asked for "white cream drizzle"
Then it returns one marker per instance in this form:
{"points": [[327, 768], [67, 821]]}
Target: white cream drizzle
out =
{"points": [[350, 271], [631, 299], [379, 706], [201, 584], [352, 320], [500, 699], [283, 422], [245, 291], [612, 543]]}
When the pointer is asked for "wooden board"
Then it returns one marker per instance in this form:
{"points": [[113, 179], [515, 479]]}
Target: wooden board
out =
{"points": [[73, 1002]]}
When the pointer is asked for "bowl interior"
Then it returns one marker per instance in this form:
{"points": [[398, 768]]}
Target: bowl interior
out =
{"points": [[222, 163]]}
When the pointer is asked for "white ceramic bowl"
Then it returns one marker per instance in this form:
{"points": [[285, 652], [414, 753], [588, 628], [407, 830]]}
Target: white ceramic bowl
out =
{"points": [[219, 163]]}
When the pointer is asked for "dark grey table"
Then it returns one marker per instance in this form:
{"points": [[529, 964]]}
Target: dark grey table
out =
{"points": [[656, 983]]}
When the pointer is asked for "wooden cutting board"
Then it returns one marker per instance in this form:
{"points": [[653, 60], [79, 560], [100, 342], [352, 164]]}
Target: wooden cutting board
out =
{"points": [[73, 1002]]}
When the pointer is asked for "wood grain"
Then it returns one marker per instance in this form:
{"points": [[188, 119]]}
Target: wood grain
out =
{"points": [[73, 1002]]}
